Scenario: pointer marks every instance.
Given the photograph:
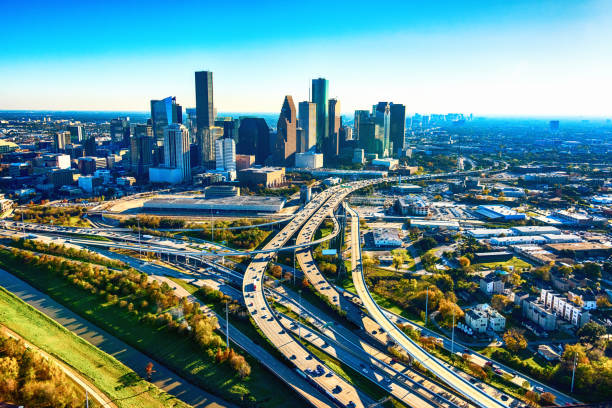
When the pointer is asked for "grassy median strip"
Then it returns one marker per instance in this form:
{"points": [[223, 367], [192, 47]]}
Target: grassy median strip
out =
{"points": [[178, 352], [117, 381]]}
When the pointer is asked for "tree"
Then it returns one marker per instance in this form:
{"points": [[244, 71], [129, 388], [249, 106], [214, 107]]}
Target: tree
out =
{"points": [[149, 370], [591, 333], [592, 270], [397, 262], [532, 398], [464, 261], [515, 341], [447, 309], [546, 398], [499, 302], [603, 302]]}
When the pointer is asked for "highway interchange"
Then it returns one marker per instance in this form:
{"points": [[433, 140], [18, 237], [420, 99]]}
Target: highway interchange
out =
{"points": [[322, 386]]}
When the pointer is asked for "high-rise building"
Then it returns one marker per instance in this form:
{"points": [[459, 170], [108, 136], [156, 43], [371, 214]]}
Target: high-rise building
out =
{"points": [[319, 97], [204, 99], [286, 136], [163, 113], [397, 130], [553, 126], [76, 133], [254, 138], [424, 121], [365, 131], [206, 144], [90, 146], [229, 125], [307, 120], [205, 115], [61, 140], [225, 154], [120, 131], [335, 122], [382, 115], [141, 151], [176, 150]]}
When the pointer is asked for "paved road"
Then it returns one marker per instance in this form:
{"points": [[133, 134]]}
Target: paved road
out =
{"points": [[447, 375], [165, 379]]}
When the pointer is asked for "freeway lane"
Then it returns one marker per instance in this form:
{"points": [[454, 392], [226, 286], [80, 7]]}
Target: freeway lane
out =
{"points": [[258, 307], [431, 363]]}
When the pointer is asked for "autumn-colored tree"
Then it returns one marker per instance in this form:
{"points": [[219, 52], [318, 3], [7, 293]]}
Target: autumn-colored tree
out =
{"points": [[499, 302], [447, 309], [464, 261], [546, 398], [514, 339]]}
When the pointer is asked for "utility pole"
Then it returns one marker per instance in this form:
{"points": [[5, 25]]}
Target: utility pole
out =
{"points": [[453, 334], [86, 398], [294, 267], [574, 371], [139, 242], [227, 324], [300, 314], [426, 302]]}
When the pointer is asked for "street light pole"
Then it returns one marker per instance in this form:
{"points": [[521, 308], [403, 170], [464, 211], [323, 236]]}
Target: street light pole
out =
{"points": [[293, 266], [426, 302], [574, 372], [453, 334], [300, 315], [227, 325]]}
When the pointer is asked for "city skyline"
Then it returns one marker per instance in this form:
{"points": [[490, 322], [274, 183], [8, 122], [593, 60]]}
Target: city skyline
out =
{"points": [[521, 59]]}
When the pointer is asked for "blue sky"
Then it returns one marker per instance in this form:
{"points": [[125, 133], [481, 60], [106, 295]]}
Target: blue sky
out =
{"points": [[487, 57]]}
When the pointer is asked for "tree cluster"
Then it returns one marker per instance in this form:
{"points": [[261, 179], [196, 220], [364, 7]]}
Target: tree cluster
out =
{"points": [[31, 380]]}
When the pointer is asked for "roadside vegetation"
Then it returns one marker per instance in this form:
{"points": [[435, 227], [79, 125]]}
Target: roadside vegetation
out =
{"points": [[110, 376], [67, 216], [148, 316]]}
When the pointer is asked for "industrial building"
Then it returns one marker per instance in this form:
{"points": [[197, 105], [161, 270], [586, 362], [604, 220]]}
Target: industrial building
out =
{"points": [[386, 237], [237, 204], [495, 212], [265, 176]]}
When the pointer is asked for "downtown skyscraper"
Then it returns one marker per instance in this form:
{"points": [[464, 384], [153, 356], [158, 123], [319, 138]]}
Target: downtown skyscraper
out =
{"points": [[205, 115], [286, 137], [163, 113], [335, 121], [307, 118], [319, 97], [397, 127]]}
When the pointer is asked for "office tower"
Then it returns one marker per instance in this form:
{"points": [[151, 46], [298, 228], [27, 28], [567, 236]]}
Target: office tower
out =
{"points": [[397, 130], [90, 146], [190, 122], [307, 120], [319, 97], [365, 131], [382, 115], [206, 144], [176, 150], [229, 125], [254, 138], [163, 113], [120, 131], [300, 140], [335, 121], [205, 114], [141, 151], [61, 140], [76, 133], [286, 134], [204, 99], [225, 154]]}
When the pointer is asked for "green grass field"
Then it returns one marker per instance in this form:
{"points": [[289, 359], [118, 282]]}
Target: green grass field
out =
{"points": [[177, 352], [514, 262], [110, 376]]}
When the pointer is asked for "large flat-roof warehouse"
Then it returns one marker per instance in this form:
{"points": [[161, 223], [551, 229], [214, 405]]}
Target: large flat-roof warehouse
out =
{"points": [[238, 204]]}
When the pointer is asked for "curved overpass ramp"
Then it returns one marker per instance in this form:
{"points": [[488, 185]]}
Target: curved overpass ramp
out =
{"points": [[446, 374]]}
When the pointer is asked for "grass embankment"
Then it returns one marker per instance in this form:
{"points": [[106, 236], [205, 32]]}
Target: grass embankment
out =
{"points": [[177, 352], [514, 262], [117, 381]]}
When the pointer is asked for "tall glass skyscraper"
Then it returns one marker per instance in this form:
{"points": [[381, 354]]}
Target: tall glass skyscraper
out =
{"points": [[398, 127], [307, 120], [205, 115], [163, 113], [319, 97], [286, 134]]}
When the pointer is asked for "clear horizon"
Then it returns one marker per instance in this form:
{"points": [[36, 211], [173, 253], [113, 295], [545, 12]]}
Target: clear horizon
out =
{"points": [[499, 59]]}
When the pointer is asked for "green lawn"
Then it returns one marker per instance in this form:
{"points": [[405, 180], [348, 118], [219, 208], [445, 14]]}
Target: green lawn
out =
{"points": [[114, 379], [515, 262], [173, 350]]}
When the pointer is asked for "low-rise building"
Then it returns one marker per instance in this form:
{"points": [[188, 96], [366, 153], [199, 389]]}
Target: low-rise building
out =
{"points": [[386, 237], [414, 205], [491, 284], [309, 160], [483, 233], [548, 353], [536, 311], [494, 212], [477, 320], [517, 240], [265, 176], [535, 230]]}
